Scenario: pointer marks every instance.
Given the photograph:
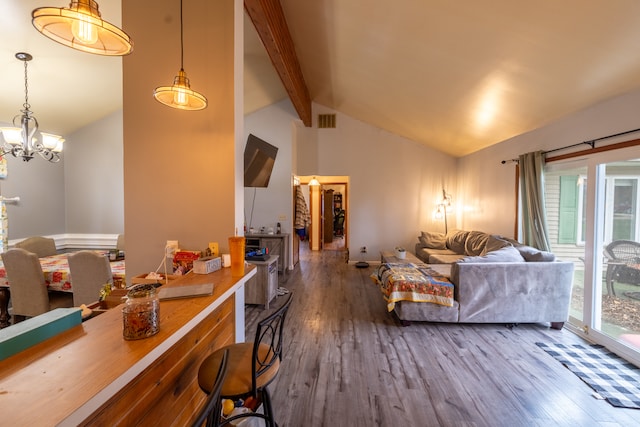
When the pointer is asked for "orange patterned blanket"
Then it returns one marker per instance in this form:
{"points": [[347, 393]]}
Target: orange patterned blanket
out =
{"points": [[413, 282]]}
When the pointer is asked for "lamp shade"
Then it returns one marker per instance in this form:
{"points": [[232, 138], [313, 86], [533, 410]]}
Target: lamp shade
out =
{"points": [[12, 135], [52, 142], [81, 27], [180, 95]]}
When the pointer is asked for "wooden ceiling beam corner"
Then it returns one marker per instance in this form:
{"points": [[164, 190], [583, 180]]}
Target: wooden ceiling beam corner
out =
{"points": [[268, 19]]}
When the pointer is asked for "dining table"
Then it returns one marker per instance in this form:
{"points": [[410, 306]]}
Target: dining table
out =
{"points": [[57, 277]]}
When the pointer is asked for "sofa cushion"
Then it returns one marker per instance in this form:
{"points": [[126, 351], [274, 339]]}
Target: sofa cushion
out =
{"points": [[475, 243], [425, 254], [531, 254], [456, 240], [444, 258], [506, 254], [433, 240]]}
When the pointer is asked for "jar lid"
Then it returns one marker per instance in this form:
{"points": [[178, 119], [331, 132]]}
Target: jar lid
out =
{"points": [[141, 291]]}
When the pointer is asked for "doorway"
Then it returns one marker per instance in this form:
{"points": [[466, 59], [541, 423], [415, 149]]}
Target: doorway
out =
{"points": [[333, 217], [328, 211]]}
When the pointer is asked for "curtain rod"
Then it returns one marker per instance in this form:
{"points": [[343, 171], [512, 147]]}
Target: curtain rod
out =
{"points": [[591, 143]]}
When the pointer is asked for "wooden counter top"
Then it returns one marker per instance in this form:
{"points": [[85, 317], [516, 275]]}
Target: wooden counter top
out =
{"points": [[91, 375]]}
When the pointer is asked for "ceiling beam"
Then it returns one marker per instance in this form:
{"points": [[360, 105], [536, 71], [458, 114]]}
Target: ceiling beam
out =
{"points": [[269, 21]]}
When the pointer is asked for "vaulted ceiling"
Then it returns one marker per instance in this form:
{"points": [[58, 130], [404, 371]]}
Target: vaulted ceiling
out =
{"points": [[456, 76]]}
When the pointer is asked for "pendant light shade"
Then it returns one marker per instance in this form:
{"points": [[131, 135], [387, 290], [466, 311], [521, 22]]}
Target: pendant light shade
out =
{"points": [[81, 27], [180, 95]]}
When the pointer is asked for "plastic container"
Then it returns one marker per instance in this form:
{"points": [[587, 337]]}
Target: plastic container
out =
{"points": [[400, 253], [236, 247], [141, 313]]}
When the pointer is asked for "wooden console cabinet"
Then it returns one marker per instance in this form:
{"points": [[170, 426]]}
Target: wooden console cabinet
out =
{"points": [[278, 244], [262, 287]]}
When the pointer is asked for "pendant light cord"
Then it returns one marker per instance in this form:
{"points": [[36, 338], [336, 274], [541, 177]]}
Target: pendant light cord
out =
{"points": [[181, 40]]}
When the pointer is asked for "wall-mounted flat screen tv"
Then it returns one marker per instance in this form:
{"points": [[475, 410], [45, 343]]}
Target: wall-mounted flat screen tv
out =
{"points": [[259, 157]]}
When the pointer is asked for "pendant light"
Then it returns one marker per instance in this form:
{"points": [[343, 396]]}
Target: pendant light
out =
{"points": [[180, 95], [80, 26], [21, 140]]}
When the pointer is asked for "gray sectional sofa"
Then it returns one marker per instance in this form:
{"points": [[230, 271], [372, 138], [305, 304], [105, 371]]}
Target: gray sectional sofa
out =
{"points": [[496, 280]]}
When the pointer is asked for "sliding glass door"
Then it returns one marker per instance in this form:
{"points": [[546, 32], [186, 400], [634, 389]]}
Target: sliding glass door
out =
{"points": [[593, 207], [565, 192]]}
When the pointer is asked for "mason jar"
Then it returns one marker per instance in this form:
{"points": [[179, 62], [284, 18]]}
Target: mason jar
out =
{"points": [[141, 313]]}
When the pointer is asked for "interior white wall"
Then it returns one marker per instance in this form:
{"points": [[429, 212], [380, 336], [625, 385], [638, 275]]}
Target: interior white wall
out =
{"points": [[275, 203], [486, 188], [394, 182], [40, 186], [180, 166], [94, 178]]}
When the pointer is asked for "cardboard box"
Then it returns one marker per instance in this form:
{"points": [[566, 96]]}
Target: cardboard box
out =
{"points": [[207, 265], [114, 299]]}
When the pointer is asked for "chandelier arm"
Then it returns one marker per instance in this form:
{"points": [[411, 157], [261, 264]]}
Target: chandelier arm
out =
{"points": [[49, 155]]}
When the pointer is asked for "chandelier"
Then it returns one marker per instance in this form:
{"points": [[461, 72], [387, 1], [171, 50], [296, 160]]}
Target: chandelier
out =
{"points": [[180, 95], [20, 140]]}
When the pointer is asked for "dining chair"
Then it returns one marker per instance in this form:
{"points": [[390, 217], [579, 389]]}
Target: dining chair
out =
{"points": [[41, 246], [213, 405], [623, 263], [29, 294], [120, 242], [252, 365], [89, 271]]}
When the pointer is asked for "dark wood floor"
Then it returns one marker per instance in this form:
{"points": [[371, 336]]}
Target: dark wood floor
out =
{"points": [[350, 363]]}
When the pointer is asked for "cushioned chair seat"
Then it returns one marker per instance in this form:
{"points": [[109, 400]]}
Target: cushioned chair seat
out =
{"points": [[238, 380]]}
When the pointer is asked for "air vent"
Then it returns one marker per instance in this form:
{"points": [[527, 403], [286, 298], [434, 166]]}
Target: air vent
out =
{"points": [[326, 121]]}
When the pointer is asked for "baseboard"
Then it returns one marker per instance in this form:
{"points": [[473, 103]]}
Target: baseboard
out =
{"points": [[79, 241]]}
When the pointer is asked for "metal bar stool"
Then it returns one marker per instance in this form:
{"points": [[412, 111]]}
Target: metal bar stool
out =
{"points": [[252, 366]]}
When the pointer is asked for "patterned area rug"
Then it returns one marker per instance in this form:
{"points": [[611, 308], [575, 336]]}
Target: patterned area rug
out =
{"points": [[613, 378]]}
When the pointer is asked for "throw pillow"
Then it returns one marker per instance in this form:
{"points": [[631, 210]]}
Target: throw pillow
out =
{"points": [[506, 254], [456, 240], [532, 254], [433, 240], [475, 243]]}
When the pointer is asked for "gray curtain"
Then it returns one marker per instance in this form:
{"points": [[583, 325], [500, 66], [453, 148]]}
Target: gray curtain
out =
{"points": [[534, 215]]}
